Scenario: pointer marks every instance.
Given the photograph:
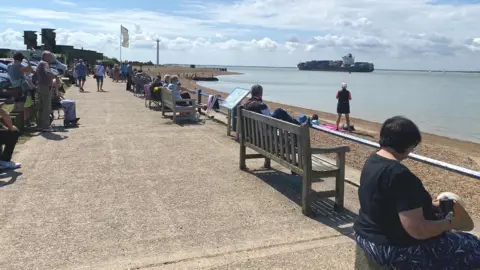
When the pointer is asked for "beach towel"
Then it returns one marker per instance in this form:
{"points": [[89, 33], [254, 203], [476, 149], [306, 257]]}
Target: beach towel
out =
{"points": [[210, 103], [330, 127]]}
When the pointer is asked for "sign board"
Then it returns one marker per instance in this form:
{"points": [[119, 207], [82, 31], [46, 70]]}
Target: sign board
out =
{"points": [[235, 97]]}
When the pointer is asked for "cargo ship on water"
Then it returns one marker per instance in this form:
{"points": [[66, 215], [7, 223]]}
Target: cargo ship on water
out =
{"points": [[348, 64]]}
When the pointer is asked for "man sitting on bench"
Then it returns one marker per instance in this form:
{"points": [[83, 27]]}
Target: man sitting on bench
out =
{"points": [[9, 135], [255, 104]]}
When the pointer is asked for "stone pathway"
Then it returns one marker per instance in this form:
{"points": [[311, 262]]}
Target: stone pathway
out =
{"points": [[131, 189]]}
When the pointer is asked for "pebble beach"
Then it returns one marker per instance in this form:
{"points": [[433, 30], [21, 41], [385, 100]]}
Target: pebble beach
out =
{"points": [[454, 151]]}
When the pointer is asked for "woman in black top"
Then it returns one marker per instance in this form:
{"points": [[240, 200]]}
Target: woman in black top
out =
{"points": [[398, 224], [343, 106]]}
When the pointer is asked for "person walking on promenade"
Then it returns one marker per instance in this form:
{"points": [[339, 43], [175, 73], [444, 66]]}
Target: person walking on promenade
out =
{"points": [[116, 73], [99, 75], [123, 71], [44, 78], [74, 72], [81, 70], [343, 105], [129, 71]]}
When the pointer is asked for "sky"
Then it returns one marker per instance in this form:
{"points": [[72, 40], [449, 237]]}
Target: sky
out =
{"points": [[402, 34]]}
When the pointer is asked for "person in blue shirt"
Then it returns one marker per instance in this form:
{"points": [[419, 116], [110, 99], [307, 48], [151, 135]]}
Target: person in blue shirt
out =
{"points": [[123, 71], [81, 70]]}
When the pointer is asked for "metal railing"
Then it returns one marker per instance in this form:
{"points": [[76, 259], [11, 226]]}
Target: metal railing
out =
{"points": [[200, 94], [419, 158], [426, 160]]}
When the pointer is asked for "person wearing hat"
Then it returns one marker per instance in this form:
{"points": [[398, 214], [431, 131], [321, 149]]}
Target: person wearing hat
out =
{"points": [[343, 105], [399, 225]]}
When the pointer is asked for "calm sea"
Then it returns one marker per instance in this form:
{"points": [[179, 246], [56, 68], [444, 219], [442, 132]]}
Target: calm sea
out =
{"points": [[446, 104]]}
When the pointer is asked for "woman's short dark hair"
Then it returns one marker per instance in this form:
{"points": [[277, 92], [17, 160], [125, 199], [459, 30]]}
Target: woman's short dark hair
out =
{"points": [[399, 133], [18, 56]]}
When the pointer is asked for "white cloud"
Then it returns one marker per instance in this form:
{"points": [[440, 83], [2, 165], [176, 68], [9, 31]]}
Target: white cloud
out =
{"points": [[65, 3], [260, 32]]}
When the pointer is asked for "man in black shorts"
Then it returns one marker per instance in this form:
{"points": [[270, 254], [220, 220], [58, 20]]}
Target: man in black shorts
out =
{"points": [[343, 106]]}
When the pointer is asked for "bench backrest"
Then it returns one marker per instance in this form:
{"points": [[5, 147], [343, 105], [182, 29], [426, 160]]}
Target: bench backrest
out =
{"points": [[167, 97], [286, 143]]}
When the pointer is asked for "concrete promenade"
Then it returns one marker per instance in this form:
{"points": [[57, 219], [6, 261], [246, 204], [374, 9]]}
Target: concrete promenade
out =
{"points": [[130, 189]]}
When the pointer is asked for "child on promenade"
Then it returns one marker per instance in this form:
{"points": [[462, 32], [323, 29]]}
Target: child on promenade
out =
{"points": [[343, 106]]}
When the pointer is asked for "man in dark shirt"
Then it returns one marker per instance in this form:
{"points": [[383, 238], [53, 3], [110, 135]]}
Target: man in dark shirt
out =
{"points": [[255, 104]]}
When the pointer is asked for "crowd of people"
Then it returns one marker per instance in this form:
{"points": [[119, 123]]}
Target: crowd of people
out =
{"points": [[34, 93], [399, 225]]}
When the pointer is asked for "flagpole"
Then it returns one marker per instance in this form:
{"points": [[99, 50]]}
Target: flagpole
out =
{"points": [[120, 43]]}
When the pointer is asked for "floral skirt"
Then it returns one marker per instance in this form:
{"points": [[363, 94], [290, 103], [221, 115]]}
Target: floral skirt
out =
{"points": [[450, 251]]}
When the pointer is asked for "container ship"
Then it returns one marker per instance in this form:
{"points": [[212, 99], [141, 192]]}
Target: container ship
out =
{"points": [[348, 64]]}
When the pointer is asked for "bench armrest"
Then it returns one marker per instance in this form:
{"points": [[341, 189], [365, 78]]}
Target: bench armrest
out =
{"points": [[186, 100], [339, 149]]}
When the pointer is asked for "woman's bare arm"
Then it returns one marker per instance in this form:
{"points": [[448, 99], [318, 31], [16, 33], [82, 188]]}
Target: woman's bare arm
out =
{"points": [[419, 228]]}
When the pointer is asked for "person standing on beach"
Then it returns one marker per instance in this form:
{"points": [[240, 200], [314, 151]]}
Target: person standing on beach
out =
{"points": [[99, 74], [343, 105]]}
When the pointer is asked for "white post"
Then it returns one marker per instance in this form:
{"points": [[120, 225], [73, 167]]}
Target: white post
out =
{"points": [[158, 52], [120, 43]]}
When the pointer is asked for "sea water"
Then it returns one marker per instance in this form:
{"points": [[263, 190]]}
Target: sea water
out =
{"points": [[446, 104]]}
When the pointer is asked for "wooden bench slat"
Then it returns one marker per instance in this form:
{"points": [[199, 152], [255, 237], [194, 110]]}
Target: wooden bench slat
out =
{"points": [[289, 145], [322, 165], [168, 100]]}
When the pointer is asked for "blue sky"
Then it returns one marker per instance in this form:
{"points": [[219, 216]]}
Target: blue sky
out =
{"points": [[400, 34]]}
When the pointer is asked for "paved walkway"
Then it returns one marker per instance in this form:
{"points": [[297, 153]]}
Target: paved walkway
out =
{"points": [[130, 189]]}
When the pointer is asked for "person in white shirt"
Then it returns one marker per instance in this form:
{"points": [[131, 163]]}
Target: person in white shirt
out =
{"points": [[99, 74]]}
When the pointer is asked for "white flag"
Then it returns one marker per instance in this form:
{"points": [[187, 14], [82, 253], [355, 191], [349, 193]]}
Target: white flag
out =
{"points": [[124, 32]]}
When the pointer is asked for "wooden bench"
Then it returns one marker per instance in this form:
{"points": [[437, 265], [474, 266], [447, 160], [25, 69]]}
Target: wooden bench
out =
{"points": [[16, 116], [169, 101], [289, 145], [17, 119]]}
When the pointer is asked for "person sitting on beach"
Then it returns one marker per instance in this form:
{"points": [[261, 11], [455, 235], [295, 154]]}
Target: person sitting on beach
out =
{"points": [[255, 104], [315, 120], [398, 225], [343, 106]]}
